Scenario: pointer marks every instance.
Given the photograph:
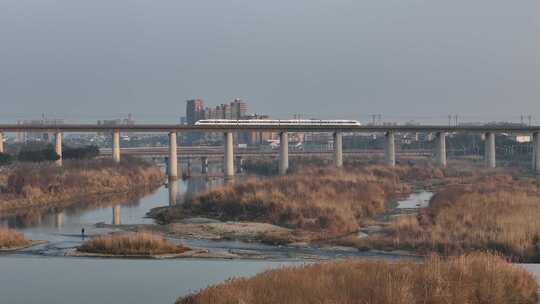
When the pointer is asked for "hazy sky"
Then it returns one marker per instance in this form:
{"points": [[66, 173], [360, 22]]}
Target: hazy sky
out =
{"points": [[405, 59]]}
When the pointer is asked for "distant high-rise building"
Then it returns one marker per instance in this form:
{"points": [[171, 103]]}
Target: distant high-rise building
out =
{"points": [[255, 137], [227, 111], [210, 113], [194, 110], [238, 109], [219, 112]]}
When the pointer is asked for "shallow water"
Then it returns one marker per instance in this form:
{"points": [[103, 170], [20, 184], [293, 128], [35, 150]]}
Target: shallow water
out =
{"points": [[63, 227], [28, 279], [415, 200], [43, 275]]}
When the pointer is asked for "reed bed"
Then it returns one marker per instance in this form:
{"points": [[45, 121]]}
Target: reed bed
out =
{"points": [[12, 239], [320, 200], [477, 278], [142, 243], [496, 213], [39, 184]]}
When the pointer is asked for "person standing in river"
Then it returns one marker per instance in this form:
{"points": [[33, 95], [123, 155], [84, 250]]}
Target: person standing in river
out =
{"points": [[82, 233]]}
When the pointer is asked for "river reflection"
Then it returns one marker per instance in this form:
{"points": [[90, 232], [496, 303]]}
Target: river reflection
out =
{"points": [[116, 215], [112, 210], [192, 186], [59, 219]]}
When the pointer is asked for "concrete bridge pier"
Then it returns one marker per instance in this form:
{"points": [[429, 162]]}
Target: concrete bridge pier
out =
{"points": [[338, 149], [390, 149], [204, 165], [229, 155], [173, 191], [283, 153], [489, 150], [1, 142], [58, 146], [440, 153], [116, 146], [239, 164], [173, 157], [536, 152]]}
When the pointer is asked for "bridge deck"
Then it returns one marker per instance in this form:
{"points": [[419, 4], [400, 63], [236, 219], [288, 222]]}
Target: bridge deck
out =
{"points": [[147, 128]]}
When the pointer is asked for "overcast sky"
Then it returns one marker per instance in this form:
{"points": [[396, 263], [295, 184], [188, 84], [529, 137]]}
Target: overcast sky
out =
{"points": [[404, 59]]}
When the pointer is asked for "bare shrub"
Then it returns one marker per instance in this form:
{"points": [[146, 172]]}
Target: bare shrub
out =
{"points": [[11, 239], [141, 243]]}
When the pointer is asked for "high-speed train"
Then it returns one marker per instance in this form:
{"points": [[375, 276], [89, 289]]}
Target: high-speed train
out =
{"points": [[278, 122]]}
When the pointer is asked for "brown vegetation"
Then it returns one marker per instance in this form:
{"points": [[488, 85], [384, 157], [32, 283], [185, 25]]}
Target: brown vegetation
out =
{"points": [[269, 166], [474, 279], [496, 213], [11, 239], [312, 199], [42, 184], [140, 244], [28, 217]]}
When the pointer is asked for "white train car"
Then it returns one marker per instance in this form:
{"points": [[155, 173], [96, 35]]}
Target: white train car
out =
{"points": [[278, 122]]}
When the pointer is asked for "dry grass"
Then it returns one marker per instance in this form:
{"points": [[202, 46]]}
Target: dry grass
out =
{"points": [[319, 200], [478, 278], [36, 185], [12, 239], [496, 213], [142, 243]]}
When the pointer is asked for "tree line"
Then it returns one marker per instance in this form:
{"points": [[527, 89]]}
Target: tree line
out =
{"points": [[47, 153]]}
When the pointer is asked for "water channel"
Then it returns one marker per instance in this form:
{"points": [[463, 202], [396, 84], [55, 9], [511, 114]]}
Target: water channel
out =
{"points": [[43, 275]]}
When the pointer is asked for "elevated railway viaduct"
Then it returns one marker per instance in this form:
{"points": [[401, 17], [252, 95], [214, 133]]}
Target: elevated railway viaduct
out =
{"points": [[283, 130]]}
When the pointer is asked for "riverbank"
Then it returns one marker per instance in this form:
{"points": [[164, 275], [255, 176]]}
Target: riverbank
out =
{"points": [[46, 185], [475, 279]]}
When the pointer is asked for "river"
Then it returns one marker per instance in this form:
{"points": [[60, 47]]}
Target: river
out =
{"points": [[27, 279], [43, 275]]}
